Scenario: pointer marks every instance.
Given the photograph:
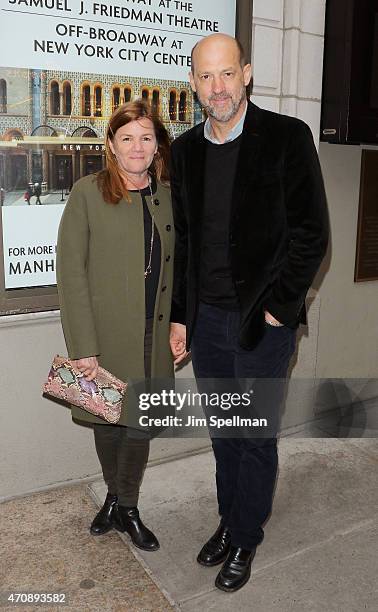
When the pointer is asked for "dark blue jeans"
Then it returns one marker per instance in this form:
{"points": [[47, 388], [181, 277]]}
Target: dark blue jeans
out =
{"points": [[246, 468]]}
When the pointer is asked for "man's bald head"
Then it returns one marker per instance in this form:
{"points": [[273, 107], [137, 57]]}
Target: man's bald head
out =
{"points": [[206, 44], [220, 76]]}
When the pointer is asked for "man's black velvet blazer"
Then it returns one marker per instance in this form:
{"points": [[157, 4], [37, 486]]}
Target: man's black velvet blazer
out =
{"points": [[279, 221]]}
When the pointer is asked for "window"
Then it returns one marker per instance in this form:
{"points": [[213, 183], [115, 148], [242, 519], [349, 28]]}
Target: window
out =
{"points": [[116, 98], [156, 101], [182, 106], [84, 132], [98, 100], [145, 94], [89, 133], [13, 134], [172, 105], [54, 98], [86, 100], [3, 96], [197, 111], [67, 98], [127, 94]]}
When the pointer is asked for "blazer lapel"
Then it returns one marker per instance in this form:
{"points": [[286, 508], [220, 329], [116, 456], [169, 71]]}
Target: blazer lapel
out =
{"points": [[248, 161], [196, 178], [197, 157]]}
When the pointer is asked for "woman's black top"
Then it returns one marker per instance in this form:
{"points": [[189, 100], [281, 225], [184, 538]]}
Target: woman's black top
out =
{"points": [[152, 279]]}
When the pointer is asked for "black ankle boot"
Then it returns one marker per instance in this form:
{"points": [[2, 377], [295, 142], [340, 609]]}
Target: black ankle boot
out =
{"points": [[236, 570], [103, 521], [216, 549], [127, 519]]}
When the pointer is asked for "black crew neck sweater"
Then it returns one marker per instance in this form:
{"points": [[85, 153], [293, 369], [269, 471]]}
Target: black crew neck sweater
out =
{"points": [[216, 283]]}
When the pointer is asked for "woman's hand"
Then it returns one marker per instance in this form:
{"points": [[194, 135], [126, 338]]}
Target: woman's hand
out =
{"points": [[88, 366]]}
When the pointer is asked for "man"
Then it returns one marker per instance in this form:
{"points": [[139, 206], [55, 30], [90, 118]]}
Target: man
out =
{"points": [[251, 230], [37, 192]]}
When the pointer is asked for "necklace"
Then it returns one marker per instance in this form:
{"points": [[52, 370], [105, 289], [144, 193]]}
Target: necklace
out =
{"points": [[148, 270]]}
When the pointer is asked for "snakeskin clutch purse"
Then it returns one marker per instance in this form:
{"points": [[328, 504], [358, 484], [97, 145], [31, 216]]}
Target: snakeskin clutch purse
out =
{"points": [[102, 396]]}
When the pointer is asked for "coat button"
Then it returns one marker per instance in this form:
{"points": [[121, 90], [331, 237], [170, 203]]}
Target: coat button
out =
{"points": [[160, 317], [168, 228], [168, 258], [164, 288], [156, 202]]}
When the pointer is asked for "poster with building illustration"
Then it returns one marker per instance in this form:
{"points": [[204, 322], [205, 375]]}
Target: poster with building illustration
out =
{"points": [[70, 66]]}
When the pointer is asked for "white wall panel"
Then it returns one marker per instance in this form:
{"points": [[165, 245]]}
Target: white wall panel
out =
{"points": [[292, 13], [270, 103], [310, 66], [271, 10], [290, 63], [289, 106], [288, 57], [312, 16], [268, 58]]}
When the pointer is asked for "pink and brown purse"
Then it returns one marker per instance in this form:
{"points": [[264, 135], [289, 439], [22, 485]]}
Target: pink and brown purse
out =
{"points": [[102, 396]]}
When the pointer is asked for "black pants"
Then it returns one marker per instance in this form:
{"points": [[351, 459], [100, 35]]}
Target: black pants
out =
{"points": [[123, 453], [246, 468]]}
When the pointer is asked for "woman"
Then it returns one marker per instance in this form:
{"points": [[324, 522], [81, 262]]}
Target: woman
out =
{"points": [[114, 275]]}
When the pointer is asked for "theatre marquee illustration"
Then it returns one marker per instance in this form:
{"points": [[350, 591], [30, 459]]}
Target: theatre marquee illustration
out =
{"points": [[69, 67]]}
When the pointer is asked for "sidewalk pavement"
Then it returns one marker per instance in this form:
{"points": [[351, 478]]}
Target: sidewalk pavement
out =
{"points": [[319, 552], [46, 547], [16, 198], [321, 543]]}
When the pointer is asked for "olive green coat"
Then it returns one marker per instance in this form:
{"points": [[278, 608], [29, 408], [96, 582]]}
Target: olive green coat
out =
{"points": [[100, 277]]}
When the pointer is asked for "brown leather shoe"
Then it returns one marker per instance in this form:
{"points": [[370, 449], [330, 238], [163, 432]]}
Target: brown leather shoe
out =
{"points": [[216, 549], [103, 521]]}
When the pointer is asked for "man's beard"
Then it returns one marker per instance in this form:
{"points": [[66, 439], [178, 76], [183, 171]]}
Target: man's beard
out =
{"points": [[225, 115]]}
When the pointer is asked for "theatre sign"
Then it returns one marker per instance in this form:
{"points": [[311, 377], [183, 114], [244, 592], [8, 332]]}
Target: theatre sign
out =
{"points": [[68, 66]]}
